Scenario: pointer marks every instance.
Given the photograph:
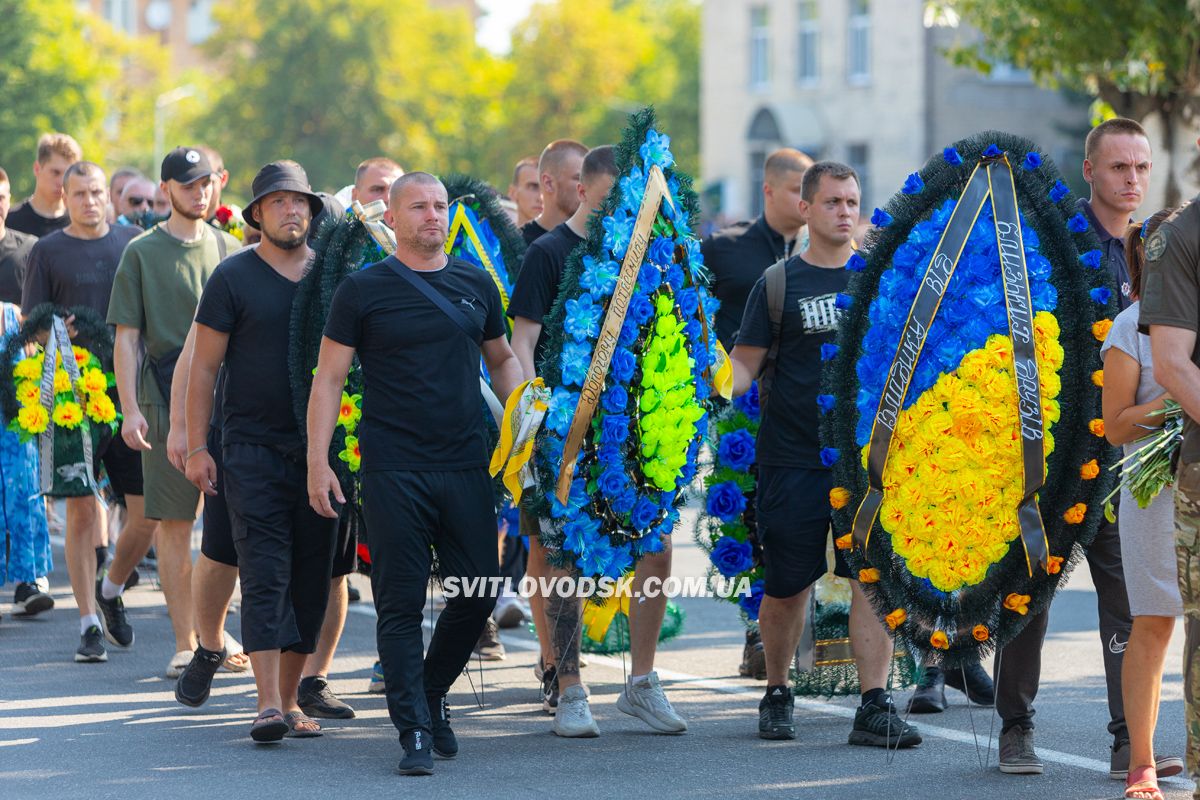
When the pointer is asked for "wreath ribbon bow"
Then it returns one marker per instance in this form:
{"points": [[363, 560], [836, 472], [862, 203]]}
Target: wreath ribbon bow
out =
{"points": [[523, 415]]}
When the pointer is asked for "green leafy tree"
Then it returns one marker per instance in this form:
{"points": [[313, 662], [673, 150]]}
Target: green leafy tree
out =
{"points": [[1139, 58]]}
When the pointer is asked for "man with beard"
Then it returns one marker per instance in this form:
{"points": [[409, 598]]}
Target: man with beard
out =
{"points": [[155, 292], [284, 549], [418, 322], [558, 174]]}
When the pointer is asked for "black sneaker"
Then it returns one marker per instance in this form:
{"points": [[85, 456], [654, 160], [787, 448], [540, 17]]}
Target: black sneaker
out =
{"points": [[133, 580], [930, 696], [29, 600], [316, 699], [116, 624], [775, 714], [978, 688], [754, 659], [91, 646], [880, 726], [195, 682], [445, 744], [550, 690], [418, 753]]}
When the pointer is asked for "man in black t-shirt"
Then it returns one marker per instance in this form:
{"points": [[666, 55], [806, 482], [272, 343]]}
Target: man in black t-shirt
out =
{"points": [[558, 173], [284, 549], [44, 212], [75, 267], [793, 485], [14, 250], [418, 322]]}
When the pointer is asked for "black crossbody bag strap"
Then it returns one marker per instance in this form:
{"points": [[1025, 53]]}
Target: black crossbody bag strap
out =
{"points": [[472, 332], [775, 280]]}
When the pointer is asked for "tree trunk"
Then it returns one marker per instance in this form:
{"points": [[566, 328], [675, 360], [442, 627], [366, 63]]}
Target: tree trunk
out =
{"points": [[1171, 193]]}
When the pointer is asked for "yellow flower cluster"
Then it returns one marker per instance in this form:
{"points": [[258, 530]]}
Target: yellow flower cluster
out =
{"points": [[668, 399], [68, 411], [954, 475]]}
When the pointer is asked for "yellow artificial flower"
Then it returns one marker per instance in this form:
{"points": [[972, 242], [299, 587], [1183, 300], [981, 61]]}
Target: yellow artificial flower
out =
{"points": [[939, 640], [839, 497], [844, 542], [1090, 470], [93, 381], [1101, 328], [869, 575], [82, 356], [1054, 565], [896, 618], [68, 415], [1075, 514], [33, 419], [1098, 378], [29, 393], [980, 633], [28, 369], [1018, 603], [100, 408], [62, 381], [1096, 426]]}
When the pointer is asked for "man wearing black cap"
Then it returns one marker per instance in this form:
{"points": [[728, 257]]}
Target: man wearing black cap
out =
{"points": [[155, 292], [284, 549]]}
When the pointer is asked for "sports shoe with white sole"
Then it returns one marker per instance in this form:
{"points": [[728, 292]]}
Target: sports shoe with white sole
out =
{"points": [[574, 717], [647, 701]]}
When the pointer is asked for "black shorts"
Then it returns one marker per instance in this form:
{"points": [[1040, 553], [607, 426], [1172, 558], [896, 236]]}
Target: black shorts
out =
{"points": [[345, 552], [793, 527], [216, 543], [122, 464]]}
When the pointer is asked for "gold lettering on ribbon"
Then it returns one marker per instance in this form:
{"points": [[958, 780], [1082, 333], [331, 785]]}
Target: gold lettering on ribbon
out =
{"points": [[589, 396], [462, 223]]}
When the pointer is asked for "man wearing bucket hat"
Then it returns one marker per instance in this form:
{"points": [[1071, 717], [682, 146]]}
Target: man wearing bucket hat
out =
{"points": [[284, 548]]}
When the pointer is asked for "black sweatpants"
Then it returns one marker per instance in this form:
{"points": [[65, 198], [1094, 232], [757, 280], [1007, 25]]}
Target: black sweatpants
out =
{"points": [[284, 548], [407, 513], [1019, 664]]}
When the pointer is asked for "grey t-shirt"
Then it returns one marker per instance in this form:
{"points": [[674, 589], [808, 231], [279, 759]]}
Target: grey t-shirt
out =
{"points": [[1125, 337]]}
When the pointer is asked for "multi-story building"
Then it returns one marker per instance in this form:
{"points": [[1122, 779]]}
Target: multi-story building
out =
{"points": [[861, 81]]}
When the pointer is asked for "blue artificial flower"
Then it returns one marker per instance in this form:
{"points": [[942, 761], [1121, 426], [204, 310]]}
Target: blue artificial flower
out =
{"points": [[751, 604], [695, 258], [640, 309], [1032, 161], [583, 318], [650, 543], [599, 277], [614, 399], [843, 301], [577, 499], [825, 402], [620, 559], [633, 187], [689, 301], [649, 278], [595, 557], [562, 409], [1092, 259], [1039, 266], [643, 514], [614, 429], [748, 403], [612, 482], [856, 263], [992, 151], [880, 218], [951, 157], [576, 358], [618, 229], [622, 365], [610, 455], [581, 533], [925, 233], [829, 456], [674, 277], [1101, 295], [1058, 191], [656, 150], [736, 450], [732, 557], [661, 251], [623, 502], [726, 501], [905, 259], [1077, 223], [913, 184], [829, 352], [629, 333]]}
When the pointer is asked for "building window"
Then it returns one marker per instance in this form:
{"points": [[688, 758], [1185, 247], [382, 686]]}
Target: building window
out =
{"points": [[760, 47], [763, 138], [808, 69], [200, 24], [120, 14], [858, 48], [858, 157], [1005, 72]]}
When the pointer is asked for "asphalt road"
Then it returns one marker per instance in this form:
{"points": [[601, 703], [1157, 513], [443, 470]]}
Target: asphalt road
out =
{"points": [[113, 730]]}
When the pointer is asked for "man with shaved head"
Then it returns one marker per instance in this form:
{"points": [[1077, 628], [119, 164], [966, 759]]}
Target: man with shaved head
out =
{"points": [[526, 190], [424, 455], [558, 174]]}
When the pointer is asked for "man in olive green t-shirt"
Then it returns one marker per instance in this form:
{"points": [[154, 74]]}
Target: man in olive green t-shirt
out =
{"points": [[155, 292], [1171, 310]]}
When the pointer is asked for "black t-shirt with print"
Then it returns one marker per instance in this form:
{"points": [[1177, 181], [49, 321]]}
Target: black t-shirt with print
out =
{"points": [[789, 435], [246, 298], [421, 406], [540, 278], [532, 231], [24, 219], [14, 258]]}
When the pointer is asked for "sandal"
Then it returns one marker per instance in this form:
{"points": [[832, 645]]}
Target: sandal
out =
{"points": [[236, 659], [178, 663], [1142, 784], [269, 726], [294, 719]]}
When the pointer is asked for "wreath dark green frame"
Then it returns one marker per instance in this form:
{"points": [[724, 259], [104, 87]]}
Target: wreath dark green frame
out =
{"points": [[1079, 400]]}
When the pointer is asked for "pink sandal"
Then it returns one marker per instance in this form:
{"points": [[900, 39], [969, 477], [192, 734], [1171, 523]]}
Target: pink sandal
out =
{"points": [[1142, 784]]}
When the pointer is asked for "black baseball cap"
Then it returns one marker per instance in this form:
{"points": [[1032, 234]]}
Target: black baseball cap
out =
{"points": [[281, 176], [185, 164]]}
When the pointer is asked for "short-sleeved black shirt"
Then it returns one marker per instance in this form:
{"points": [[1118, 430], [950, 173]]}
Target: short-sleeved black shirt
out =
{"points": [[736, 257], [789, 434], [532, 231], [246, 298], [421, 406], [1114, 254], [71, 272], [24, 219], [14, 258], [540, 278]]}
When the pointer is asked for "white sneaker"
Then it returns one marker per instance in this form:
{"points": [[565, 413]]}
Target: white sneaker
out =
{"points": [[574, 717], [646, 701]]}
